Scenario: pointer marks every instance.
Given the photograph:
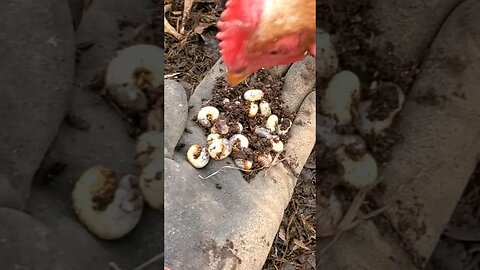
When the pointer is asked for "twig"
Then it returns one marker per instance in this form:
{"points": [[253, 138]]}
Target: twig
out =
{"points": [[168, 76], [187, 7], [287, 232], [348, 219], [237, 168], [149, 262], [473, 263], [114, 266], [273, 163], [221, 169], [367, 216], [424, 171]]}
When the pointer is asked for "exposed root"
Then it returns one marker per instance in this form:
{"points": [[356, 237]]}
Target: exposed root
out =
{"points": [[187, 7]]}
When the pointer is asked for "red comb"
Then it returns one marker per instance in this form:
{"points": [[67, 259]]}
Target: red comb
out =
{"points": [[237, 22]]}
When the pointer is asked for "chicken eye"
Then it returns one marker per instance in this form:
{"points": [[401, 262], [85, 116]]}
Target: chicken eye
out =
{"points": [[274, 52]]}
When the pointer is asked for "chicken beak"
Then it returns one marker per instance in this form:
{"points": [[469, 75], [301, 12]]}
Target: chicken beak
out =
{"points": [[234, 79]]}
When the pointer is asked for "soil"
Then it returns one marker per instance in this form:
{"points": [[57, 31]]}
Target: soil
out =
{"points": [[383, 100], [187, 61], [234, 109]]}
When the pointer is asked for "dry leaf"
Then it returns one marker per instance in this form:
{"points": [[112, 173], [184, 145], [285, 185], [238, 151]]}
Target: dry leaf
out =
{"points": [[168, 28], [300, 244], [201, 27]]}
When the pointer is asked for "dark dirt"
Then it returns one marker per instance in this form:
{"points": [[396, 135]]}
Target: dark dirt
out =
{"points": [[193, 56], [234, 109], [353, 32], [187, 61], [383, 100]]}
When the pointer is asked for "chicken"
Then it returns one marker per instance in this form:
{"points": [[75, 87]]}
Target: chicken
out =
{"points": [[256, 34]]}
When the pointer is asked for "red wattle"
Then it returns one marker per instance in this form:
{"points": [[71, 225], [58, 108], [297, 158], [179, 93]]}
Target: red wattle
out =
{"points": [[313, 49], [238, 21]]}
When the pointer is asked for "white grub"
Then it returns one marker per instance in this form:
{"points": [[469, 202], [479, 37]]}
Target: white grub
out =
{"points": [[149, 144], [358, 171], [226, 101], [340, 97], [265, 109], [253, 95], [220, 149], [327, 134], [151, 184], [277, 144], [265, 160], [239, 139], [211, 137], [134, 70], [263, 132], [327, 60], [198, 156], [207, 115], [253, 110], [272, 123], [220, 127], [243, 164], [367, 126], [110, 208], [284, 126], [354, 143], [329, 214], [326, 131]]}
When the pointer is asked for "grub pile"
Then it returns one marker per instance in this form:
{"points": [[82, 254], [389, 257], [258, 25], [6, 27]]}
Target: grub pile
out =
{"points": [[249, 123]]}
